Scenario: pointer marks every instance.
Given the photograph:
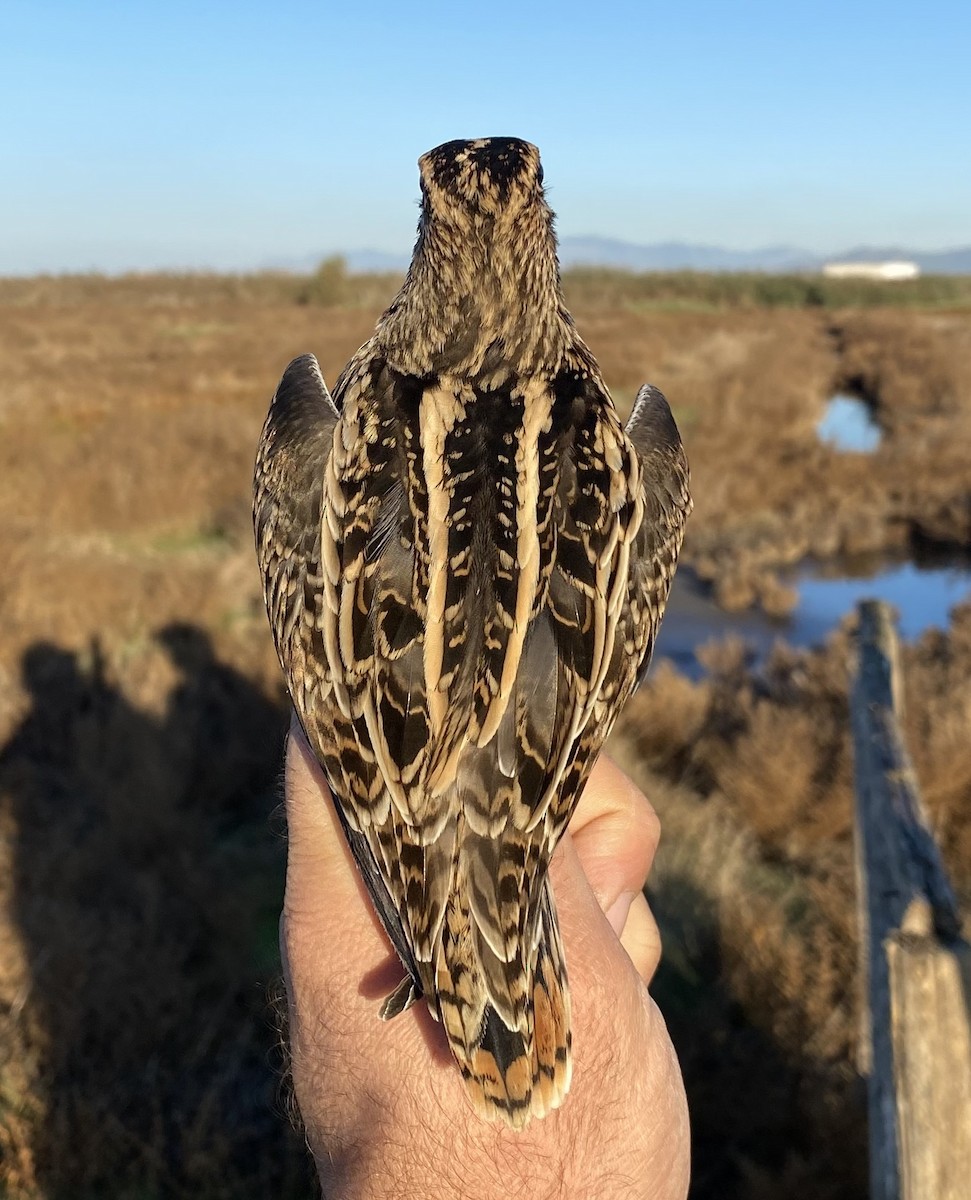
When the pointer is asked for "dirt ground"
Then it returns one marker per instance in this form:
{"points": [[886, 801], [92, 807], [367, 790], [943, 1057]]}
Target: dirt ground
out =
{"points": [[142, 716]]}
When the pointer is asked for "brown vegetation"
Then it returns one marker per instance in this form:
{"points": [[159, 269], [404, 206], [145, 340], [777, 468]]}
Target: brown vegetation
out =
{"points": [[141, 719], [752, 779]]}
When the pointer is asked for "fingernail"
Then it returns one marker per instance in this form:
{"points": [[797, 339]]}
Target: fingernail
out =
{"points": [[617, 913]]}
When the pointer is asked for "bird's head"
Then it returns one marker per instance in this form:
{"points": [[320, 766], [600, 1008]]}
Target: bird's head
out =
{"points": [[484, 282], [468, 183]]}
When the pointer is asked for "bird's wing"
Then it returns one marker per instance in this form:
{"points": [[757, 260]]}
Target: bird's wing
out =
{"points": [[625, 502], [295, 552], [654, 434], [294, 448]]}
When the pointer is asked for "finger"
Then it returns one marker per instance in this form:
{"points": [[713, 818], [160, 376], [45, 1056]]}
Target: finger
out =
{"points": [[615, 832], [592, 954], [642, 939]]}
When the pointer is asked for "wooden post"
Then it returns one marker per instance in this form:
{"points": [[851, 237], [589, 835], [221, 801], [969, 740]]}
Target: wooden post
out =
{"points": [[915, 969]]}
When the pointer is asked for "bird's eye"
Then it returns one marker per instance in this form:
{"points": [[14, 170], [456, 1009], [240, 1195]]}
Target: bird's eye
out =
{"points": [[539, 174]]}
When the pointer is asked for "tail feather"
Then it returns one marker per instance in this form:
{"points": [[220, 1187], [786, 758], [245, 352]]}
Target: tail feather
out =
{"points": [[551, 1018], [504, 983], [514, 1054]]}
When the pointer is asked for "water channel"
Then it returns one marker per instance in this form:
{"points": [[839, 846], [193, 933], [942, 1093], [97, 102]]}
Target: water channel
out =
{"points": [[922, 592]]}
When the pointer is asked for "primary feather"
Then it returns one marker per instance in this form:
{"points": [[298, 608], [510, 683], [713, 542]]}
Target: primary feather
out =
{"points": [[465, 560]]}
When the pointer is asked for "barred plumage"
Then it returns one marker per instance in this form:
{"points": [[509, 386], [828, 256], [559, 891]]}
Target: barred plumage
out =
{"points": [[465, 560]]}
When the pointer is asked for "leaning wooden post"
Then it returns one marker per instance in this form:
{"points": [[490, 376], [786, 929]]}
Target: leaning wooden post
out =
{"points": [[916, 970]]}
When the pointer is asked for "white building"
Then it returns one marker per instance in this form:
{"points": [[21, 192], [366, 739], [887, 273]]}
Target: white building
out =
{"points": [[871, 270]]}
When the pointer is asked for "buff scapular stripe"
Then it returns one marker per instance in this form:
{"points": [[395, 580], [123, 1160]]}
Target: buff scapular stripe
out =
{"points": [[465, 560]]}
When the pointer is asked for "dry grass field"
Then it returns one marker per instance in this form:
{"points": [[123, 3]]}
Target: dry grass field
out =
{"points": [[142, 716]]}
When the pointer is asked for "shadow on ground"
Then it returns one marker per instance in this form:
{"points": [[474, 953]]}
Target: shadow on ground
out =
{"points": [[146, 891]]}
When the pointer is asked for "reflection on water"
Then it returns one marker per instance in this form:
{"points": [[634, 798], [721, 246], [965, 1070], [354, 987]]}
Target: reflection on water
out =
{"points": [[849, 425], [922, 595]]}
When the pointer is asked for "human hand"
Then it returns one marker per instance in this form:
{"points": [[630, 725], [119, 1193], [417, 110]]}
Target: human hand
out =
{"points": [[383, 1104]]}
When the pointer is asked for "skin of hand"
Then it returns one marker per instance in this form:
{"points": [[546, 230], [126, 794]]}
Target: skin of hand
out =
{"points": [[383, 1104]]}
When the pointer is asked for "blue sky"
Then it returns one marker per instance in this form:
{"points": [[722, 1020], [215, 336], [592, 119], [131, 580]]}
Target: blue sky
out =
{"points": [[140, 135]]}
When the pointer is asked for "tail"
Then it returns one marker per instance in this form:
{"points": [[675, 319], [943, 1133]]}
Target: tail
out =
{"points": [[507, 1018]]}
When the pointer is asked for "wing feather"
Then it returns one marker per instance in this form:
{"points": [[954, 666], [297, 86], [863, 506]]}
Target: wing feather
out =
{"points": [[654, 435], [293, 454]]}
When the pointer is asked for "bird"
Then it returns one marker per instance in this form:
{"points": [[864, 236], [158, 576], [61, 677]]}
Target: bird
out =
{"points": [[465, 558]]}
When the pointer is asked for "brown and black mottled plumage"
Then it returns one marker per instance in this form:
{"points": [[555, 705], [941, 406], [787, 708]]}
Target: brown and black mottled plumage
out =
{"points": [[465, 559]]}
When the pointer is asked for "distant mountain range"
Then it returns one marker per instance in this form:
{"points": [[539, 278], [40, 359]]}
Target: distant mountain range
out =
{"points": [[687, 256]]}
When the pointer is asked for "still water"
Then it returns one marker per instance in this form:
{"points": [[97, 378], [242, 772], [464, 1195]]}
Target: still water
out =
{"points": [[922, 595], [848, 425]]}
